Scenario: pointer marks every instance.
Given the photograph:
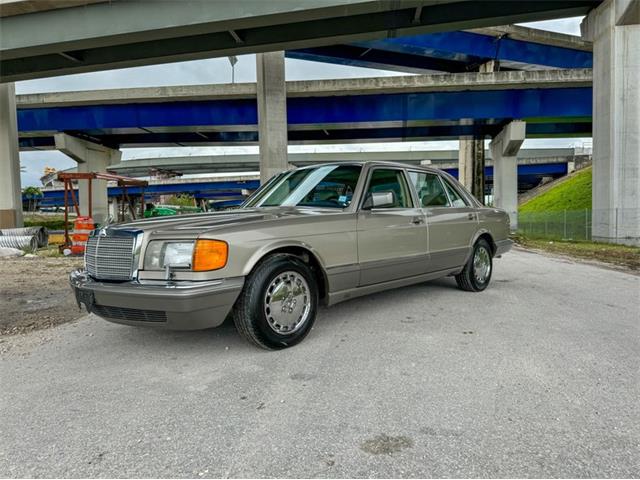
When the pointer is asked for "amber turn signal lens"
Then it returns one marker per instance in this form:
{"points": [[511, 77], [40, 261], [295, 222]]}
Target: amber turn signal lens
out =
{"points": [[209, 255]]}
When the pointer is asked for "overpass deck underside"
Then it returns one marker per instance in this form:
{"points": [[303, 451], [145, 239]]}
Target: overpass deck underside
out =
{"points": [[514, 47]]}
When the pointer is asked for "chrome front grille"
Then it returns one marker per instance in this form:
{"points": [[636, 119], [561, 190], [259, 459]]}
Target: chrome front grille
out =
{"points": [[110, 258]]}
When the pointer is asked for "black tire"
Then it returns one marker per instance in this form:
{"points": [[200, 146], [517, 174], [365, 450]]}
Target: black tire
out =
{"points": [[467, 279], [249, 312]]}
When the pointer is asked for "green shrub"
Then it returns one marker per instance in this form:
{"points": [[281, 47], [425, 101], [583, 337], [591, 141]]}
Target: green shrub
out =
{"points": [[50, 223], [181, 200]]}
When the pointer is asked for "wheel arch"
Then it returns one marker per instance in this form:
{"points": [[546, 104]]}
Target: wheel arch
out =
{"points": [[489, 238], [484, 234], [302, 251]]}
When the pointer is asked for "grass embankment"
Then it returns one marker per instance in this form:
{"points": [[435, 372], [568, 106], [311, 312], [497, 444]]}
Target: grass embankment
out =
{"points": [[572, 194], [565, 210], [560, 211], [621, 255]]}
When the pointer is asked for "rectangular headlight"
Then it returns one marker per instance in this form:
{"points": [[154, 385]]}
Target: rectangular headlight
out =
{"points": [[159, 254]]}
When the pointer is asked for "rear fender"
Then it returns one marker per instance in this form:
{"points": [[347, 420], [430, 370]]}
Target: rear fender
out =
{"points": [[475, 238]]}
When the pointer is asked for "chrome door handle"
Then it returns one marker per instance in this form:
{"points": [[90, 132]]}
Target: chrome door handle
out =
{"points": [[471, 216], [417, 220]]}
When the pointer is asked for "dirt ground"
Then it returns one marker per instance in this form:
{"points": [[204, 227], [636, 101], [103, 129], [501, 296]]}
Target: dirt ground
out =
{"points": [[621, 257], [35, 293]]}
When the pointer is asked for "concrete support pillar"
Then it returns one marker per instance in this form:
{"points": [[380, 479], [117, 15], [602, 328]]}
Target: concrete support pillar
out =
{"points": [[471, 165], [471, 152], [91, 157], [614, 28], [114, 207], [10, 188], [504, 152], [272, 114]]}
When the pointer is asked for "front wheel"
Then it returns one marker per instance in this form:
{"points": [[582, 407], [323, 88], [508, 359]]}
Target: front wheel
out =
{"points": [[476, 274], [278, 304]]}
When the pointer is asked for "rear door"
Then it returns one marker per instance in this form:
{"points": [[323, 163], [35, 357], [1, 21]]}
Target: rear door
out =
{"points": [[392, 240], [451, 222]]}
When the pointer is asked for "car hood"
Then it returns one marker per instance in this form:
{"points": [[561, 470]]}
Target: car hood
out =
{"points": [[203, 222]]}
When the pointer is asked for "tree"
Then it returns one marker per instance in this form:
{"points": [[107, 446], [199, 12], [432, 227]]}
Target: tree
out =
{"points": [[32, 194]]}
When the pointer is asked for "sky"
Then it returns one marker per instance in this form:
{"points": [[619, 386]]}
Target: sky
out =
{"points": [[218, 70]]}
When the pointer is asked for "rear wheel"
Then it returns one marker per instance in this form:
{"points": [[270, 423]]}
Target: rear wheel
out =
{"points": [[278, 304], [476, 274]]}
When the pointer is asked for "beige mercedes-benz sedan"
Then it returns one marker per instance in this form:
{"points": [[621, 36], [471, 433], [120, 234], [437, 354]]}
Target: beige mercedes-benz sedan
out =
{"points": [[324, 233]]}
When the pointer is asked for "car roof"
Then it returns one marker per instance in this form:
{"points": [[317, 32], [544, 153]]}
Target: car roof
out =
{"points": [[379, 163]]}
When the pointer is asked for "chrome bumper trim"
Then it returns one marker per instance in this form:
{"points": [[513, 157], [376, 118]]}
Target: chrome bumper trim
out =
{"points": [[503, 246]]}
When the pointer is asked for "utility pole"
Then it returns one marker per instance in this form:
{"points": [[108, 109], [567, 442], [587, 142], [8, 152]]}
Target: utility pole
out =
{"points": [[233, 60]]}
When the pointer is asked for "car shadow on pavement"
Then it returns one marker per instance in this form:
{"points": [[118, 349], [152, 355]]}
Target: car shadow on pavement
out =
{"points": [[226, 337]]}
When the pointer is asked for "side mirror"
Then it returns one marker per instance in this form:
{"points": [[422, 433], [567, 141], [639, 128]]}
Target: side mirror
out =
{"points": [[379, 200]]}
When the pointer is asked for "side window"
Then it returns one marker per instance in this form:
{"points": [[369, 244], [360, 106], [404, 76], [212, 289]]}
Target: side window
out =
{"points": [[456, 200], [430, 190], [335, 189], [393, 181]]}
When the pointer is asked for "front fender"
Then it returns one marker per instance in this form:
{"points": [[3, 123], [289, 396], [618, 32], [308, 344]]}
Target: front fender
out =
{"points": [[279, 245]]}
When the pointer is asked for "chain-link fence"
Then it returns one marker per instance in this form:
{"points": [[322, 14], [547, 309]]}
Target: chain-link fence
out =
{"points": [[577, 224]]}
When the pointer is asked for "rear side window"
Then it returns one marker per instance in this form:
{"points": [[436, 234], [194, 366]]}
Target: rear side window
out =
{"points": [[456, 199], [429, 189]]}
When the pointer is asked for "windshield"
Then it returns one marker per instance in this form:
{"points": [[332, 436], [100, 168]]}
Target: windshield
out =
{"points": [[327, 186]]}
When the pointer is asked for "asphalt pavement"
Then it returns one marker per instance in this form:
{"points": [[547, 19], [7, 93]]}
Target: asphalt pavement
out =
{"points": [[538, 376]]}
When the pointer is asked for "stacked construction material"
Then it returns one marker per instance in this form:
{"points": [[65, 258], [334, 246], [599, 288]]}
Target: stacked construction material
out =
{"points": [[26, 238]]}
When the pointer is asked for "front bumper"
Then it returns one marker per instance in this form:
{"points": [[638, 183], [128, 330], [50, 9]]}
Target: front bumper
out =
{"points": [[171, 305], [503, 246]]}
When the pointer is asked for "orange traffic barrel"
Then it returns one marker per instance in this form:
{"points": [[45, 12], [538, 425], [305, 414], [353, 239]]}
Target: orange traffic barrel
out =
{"points": [[82, 227]]}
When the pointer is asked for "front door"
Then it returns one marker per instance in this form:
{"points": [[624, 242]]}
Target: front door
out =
{"points": [[392, 239]]}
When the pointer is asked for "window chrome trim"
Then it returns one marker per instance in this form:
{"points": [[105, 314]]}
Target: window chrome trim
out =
{"points": [[444, 187]]}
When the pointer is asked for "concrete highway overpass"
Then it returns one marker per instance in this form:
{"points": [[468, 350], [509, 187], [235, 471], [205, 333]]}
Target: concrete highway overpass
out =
{"points": [[91, 127], [38, 41], [555, 103], [533, 165], [549, 103], [552, 161], [94, 37]]}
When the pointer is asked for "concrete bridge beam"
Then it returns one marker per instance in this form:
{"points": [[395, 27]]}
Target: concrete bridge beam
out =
{"points": [[504, 152], [91, 157], [614, 28], [10, 188]]}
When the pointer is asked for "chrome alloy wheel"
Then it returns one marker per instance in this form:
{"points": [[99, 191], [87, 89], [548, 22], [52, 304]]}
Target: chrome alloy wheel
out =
{"points": [[481, 264], [287, 303]]}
